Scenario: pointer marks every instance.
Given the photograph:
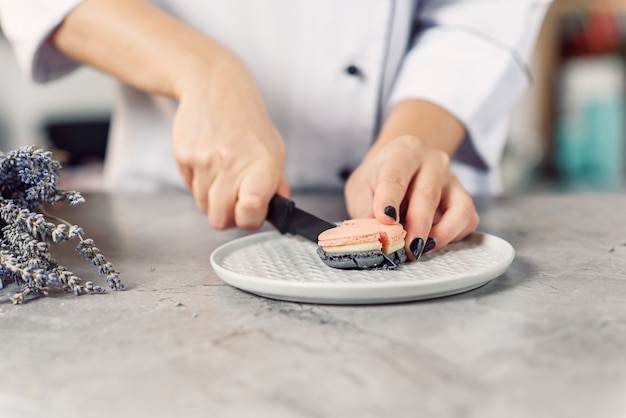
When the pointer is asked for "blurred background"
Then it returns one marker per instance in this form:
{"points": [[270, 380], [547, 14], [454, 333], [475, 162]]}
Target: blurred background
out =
{"points": [[567, 133]]}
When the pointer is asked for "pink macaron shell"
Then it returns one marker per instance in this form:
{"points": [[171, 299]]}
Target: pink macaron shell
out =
{"points": [[348, 235], [361, 221], [390, 234]]}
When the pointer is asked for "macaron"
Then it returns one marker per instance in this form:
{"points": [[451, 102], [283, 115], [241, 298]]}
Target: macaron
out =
{"points": [[391, 236], [362, 244]]}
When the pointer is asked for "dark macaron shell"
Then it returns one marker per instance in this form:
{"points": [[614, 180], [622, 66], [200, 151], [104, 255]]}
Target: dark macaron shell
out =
{"points": [[352, 260], [374, 259]]}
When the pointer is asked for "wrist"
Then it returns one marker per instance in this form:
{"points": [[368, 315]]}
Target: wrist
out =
{"points": [[201, 66], [432, 125]]}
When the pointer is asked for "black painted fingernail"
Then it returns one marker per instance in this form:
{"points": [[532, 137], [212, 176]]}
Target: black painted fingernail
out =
{"points": [[430, 244], [416, 247], [391, 212]]}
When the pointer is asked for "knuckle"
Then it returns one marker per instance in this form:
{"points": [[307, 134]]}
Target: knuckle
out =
{"points": [[431, 195], [225, 156], [182, 155], [190, 158], [250, 212], [439, 159], [395, 179], [443, 160], [203, 159], [412, 143], [218, 223], [252, 204]]}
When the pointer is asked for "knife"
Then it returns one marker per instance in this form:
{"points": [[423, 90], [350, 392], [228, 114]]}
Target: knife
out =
{"points": [[287, 218]]}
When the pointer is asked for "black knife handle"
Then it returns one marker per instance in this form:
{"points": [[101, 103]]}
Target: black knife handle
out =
{"points": [[280, 212]]}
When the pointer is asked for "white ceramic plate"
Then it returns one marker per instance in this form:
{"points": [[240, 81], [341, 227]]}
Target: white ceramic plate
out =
{"points": [[288, 268]]}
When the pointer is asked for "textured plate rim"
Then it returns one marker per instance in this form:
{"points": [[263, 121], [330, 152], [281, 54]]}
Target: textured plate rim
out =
{"points": [[362, 292]]}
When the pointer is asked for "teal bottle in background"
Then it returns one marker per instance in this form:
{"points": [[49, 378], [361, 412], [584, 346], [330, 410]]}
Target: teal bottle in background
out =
{"points": [[590, 134]]}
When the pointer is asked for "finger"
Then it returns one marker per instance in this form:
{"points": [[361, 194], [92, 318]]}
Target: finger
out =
{"points": [[392, 184], [395, 174], [222, 198], [458, 216], [201, 180], [187, 174], [359, 195], [255, 191], [423, 200]]}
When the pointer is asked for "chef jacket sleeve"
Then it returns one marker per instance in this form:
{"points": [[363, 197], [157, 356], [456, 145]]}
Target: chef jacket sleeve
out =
{"points": [[28, 24], [470, 57]]}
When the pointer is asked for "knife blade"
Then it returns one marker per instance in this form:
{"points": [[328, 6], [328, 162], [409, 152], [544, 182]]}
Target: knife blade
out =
{"points": [[287, 218]]}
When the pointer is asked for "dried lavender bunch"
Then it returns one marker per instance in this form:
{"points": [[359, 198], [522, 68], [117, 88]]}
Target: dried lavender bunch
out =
{"points": [[28, 181]]}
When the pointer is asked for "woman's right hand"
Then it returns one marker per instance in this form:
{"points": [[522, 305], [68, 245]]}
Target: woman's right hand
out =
{"points": [[228, 151]]}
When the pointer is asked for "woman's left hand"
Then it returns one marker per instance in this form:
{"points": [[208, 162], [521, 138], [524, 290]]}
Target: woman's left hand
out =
{"points": [[405, 179]]}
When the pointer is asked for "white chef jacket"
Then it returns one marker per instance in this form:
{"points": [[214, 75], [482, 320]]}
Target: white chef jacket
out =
{"points": [[329, 71]]}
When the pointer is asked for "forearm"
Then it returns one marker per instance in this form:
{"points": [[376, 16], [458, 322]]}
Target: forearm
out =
{"points": [[139, 44], [434, 126]]}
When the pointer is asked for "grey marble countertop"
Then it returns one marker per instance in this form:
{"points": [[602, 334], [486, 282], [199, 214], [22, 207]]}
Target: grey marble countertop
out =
{"points": [[546, 339]]}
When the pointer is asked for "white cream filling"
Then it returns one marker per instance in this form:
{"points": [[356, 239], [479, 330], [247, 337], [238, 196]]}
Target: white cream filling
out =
{"points": [[365, 246], [395, 247]]}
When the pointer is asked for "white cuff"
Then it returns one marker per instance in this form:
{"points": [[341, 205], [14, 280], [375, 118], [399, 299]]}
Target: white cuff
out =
{"points": [[476, 80]]}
